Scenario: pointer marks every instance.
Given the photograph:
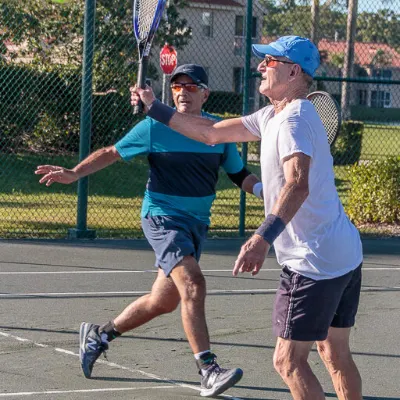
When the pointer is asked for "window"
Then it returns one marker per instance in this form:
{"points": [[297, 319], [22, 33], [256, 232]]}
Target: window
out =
{"points": [[207, 23], [382, 73], [381, 99], [238, 79], [239, 43], [240, 26], [362, 97]]}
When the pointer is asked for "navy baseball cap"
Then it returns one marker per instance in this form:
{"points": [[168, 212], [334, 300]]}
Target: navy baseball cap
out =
{"points": [[196, 72], [297, 49]]}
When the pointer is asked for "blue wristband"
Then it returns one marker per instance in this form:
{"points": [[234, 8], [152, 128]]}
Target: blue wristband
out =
{"points": [[161, 112], [271, 228]]}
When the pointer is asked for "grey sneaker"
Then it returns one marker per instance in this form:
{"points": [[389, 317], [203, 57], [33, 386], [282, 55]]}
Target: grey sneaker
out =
{"points": [[90, 347], [217, 379]]}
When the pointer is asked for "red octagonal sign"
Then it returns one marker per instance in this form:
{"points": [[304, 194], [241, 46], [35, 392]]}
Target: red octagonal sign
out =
{"points": [[168, 59]]}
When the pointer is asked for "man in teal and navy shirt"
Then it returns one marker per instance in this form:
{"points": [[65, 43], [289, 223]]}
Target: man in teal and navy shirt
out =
{"points": [[175, 218]]}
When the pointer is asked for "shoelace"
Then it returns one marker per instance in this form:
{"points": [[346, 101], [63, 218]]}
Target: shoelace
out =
{"points": [[214, 368]]}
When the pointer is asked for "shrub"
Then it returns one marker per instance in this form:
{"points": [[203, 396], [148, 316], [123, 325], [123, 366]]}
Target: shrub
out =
{"points": [[347, 148], [375, 192]]}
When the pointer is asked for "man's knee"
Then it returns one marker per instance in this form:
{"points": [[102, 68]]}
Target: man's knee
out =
{"points": [[190, 281], [335, 349], [334, 355], [290, 357], [286, 363], [194, 288]]}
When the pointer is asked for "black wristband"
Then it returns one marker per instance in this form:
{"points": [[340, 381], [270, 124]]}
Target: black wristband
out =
{"points": [[271, 228], [161, 112]]}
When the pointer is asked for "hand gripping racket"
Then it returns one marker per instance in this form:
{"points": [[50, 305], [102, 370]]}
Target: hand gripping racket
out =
{"points": [[329, 112], [146, 18]]}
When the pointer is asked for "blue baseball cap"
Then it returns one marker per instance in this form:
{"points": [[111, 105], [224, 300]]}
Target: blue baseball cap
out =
{"points": [[297, 49]]}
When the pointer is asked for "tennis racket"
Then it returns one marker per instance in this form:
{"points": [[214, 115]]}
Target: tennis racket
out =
{"points": [[329, 112], [146, 18]]}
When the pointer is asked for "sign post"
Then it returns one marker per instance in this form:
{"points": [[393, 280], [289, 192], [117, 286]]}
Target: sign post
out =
{"points": [[168, 62]]}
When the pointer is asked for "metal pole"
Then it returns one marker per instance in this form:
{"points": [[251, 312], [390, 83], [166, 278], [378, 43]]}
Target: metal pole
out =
{"points": [[165, 98], [349, 57], [81, 230], [314, 21], [246, 93]]}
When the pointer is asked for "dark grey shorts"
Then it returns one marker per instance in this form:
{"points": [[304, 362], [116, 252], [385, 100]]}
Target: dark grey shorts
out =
{"points": [[174, 237], [304, 309]]}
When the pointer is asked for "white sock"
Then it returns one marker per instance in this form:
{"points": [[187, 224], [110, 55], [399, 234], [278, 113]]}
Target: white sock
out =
{"points": [[198, 355]]}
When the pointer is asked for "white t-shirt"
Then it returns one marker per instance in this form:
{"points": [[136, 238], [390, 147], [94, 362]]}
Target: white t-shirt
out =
{"points": [[319, 242]]}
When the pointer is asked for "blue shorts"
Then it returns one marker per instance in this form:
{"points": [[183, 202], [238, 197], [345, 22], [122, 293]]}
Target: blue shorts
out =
{"points": [[174, 237], [304, 309]]}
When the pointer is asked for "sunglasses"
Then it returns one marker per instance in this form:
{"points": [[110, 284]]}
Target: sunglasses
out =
{"points": [[190, 87], [273, 62]]}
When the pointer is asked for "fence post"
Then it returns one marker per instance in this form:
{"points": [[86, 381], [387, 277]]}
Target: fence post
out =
{"points": [[81, 230], [246, 93]]}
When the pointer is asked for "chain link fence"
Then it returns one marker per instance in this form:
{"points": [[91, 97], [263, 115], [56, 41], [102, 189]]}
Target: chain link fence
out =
{"points": [[41, 103]]}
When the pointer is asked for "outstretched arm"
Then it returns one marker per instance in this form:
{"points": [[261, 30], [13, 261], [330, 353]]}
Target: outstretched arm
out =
{"points": [[94, 162], [197, 128]]}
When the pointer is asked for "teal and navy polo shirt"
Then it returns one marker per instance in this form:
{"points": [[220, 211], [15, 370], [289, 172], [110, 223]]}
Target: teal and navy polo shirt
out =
{"points": [[183, 172]]}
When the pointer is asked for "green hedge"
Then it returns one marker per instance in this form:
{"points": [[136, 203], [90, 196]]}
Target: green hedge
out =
{"points": [[375, 192], [41, 111], [363, 113], [347, 148]]}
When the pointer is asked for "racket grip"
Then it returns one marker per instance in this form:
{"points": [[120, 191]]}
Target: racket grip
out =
{"points": [[141, 82]]}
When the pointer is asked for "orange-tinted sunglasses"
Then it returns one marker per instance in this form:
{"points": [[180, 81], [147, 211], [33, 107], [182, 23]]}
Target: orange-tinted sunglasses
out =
{"points": [[273, 62], [190, 87]]}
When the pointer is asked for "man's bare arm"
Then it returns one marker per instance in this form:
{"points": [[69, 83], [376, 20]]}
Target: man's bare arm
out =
{"points": [[94, 162], [293, 194], [195, 127], [249, 183], [211, 132]]}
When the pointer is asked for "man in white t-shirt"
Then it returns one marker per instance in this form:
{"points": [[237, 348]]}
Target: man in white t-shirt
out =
{"points": [[317, 246]]}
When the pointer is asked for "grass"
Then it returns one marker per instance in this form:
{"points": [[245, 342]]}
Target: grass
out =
{"points": [[380, 141], [28, 209]]}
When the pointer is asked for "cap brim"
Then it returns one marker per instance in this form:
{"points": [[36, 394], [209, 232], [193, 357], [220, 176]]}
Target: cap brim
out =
{"points": [[192, 77], [261, 50]]}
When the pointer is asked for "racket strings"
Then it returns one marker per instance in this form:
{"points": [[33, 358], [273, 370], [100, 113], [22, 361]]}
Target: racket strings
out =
{"points": [[145, 12], [329, 114]]}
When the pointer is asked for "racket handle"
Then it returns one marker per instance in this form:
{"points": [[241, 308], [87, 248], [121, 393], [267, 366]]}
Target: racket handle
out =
{"points": [[141, 81]]}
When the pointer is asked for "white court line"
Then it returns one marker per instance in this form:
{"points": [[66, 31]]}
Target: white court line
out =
{"points": [[20, 394], [153, 271], [110, 364], [139, 292]]}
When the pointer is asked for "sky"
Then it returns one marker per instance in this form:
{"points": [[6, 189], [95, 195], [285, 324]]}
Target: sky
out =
{"points": [[374, 5]]}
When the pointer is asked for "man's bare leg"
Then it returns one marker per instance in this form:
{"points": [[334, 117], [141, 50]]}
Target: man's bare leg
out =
{"points": [[290, 361], [163, 298], [191, 285], [335, 353]]}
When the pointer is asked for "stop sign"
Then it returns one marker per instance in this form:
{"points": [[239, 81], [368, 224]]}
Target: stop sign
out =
{"points": [[168, 59]]}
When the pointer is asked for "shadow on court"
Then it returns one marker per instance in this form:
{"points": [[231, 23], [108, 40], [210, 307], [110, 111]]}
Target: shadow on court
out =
{"points": [[47, 288]]}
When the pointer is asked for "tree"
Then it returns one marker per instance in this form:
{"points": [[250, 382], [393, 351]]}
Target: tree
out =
{"points": [[51, 33], [380, 27], [295, 18]]}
